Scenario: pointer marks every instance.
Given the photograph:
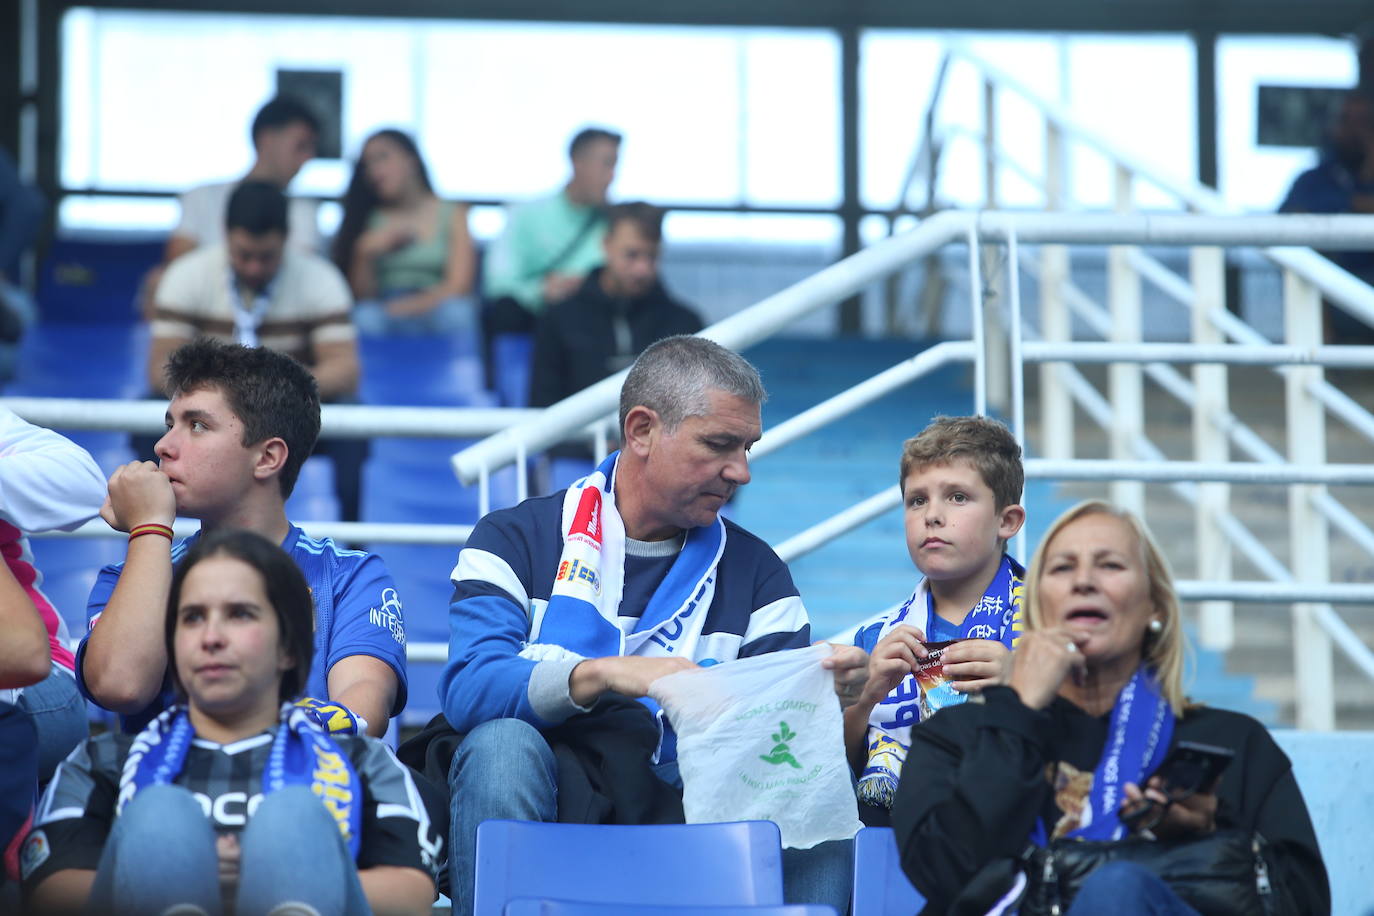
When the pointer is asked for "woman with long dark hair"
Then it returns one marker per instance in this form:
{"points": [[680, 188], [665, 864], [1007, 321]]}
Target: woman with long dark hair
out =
{"points": [[407, 254], [233, 800]]}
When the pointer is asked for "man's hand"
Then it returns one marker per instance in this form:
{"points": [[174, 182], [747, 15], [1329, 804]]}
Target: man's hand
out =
{"points": [[894, 657], [140, 494], [1042, 660], [558, 287], [850, 665], [629, 675], [974, 664]]}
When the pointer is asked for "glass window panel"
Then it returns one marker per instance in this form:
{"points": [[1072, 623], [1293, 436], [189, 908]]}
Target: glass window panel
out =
{"points": [[1255, 177], [1134, 91], [710, 115]]}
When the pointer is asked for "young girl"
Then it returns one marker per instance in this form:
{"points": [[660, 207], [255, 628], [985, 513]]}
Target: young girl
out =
{"points": [[233, 800]]}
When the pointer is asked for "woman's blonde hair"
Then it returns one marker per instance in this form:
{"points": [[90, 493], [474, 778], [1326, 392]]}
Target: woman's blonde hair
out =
{"points": [[1164, 651]]}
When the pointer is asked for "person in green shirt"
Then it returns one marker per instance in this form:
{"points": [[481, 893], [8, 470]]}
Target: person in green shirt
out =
{"points": [[550, 243]]}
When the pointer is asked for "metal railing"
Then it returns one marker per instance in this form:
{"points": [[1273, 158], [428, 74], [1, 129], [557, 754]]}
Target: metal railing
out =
{"points": [[514, 435]]}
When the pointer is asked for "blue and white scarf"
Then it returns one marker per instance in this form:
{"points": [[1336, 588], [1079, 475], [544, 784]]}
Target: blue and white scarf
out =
{"points": [[1138, 737], [301, 755], [997, 616], [582, 618]]}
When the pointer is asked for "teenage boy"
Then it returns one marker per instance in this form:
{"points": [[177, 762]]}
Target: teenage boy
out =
{"points": [[240, 425], [961, 481]]}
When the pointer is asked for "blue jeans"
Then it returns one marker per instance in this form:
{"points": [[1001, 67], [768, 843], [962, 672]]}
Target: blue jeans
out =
{"points": [[1126, 889], [504, 769], [59, 716], [450, 316], [161, 854]]}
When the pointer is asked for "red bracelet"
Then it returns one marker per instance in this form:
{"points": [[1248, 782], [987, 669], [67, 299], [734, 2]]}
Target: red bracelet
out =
{"points": [[150, 528]]}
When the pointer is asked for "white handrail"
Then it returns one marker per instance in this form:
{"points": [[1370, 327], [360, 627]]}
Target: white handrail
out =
{"points": [[852, 274], [339, 420]]}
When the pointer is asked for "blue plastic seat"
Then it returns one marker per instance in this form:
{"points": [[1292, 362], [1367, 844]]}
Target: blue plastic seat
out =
{"points": [[881, 887], [512, 355], [313, 498], [734, 864], [526, 906]]}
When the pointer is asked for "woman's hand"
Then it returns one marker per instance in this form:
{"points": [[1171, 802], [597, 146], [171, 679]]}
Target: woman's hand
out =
{"points": [[894, 657], [1195, 815], [411, 304], [1041, 661], [227, 848], [974, 664], [385, 239]]}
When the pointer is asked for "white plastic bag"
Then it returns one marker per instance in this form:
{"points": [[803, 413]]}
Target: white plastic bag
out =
{"points": [[763, 739]]}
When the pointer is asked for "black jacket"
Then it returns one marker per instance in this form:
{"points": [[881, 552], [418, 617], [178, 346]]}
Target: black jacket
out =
{"points": [[975, 782], [589, 336]]}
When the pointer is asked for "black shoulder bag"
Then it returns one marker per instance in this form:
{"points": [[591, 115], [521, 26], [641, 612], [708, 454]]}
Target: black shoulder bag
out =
{"points": [[1225, 873]]}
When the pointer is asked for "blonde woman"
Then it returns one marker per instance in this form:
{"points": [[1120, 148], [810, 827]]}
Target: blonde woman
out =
{"points": [[1070, 747]]}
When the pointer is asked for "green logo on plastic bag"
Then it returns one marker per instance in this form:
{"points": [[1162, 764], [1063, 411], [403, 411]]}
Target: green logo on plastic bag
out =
{"points": [[781, 753]]}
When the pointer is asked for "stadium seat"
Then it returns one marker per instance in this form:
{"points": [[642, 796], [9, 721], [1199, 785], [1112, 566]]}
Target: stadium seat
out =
{"points": [[698, 865], [84, 280], [512, 354], [880, 886], [313, 499], [419, 371], [526, 906]]}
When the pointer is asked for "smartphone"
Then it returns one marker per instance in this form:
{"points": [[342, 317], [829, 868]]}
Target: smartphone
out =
{"points": [[1191, 767]]}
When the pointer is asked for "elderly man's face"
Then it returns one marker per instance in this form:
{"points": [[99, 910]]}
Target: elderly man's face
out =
{"points": [[695, 469]]}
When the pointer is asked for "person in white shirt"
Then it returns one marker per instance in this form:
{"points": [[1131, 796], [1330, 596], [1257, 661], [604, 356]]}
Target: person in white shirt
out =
{"points": [[47, 482], [284, 134]]}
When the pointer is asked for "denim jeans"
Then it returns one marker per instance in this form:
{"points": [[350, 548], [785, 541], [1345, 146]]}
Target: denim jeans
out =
{"points": [[450, 316], [1126, 889], [161, 855], [59, 716], [504, 769]]}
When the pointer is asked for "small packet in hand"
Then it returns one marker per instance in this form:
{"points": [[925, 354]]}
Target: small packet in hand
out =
{"points": [[937, 690]]}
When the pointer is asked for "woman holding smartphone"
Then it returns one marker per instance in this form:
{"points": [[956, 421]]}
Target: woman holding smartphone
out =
{"points": [[1073, 747], [233, 800]]}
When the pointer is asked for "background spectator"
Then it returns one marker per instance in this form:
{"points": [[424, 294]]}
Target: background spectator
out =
{"points": [[549, 244], [284, 133], [253, 289], [1343, 182], [619, 309], [21, 213], [407, 254]]}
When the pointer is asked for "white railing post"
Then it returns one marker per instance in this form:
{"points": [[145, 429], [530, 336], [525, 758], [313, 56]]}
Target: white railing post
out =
{"points": [[1308, 533], [1216, 628], [1056, 405], [995, 333], [1125, 379]]}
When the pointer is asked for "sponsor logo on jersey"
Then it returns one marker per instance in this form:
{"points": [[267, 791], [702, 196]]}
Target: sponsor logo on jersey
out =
{"points": [[575, 571], [388, 616]]}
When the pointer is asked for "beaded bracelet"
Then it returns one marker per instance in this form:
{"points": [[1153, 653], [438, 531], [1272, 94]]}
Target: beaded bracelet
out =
{"points": [[150, 528]]}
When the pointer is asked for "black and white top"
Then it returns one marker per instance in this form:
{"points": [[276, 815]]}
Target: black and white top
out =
{"points": [[77, 811]]}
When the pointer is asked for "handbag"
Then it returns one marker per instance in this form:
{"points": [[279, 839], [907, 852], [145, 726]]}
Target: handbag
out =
{"points": [[1225, 872]]}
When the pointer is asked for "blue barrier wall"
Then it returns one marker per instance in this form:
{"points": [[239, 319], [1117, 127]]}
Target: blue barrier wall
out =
{"points": [[1336, 773]]}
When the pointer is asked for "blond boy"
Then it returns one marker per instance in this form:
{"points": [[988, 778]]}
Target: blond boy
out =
{"points": [[961, 481]]}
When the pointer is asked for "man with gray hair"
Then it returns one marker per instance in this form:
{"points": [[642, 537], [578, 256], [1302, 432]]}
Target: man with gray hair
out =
{"points": [[567, 604]]}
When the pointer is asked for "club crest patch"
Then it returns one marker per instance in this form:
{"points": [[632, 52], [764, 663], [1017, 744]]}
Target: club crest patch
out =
{"points": [[34, 853]]}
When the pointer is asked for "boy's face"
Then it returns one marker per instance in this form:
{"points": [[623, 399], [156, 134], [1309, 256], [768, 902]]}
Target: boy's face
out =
{"points": [[954, 530], [203, 455]]}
